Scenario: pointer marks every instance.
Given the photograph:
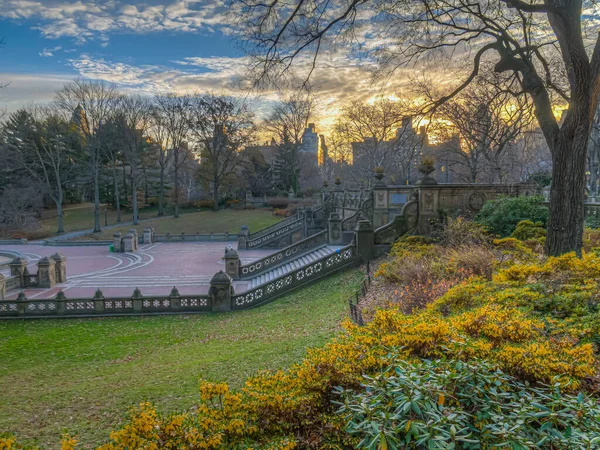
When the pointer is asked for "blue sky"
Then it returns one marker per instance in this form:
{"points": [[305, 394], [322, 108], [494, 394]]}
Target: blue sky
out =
{"points": [[145, 46]]}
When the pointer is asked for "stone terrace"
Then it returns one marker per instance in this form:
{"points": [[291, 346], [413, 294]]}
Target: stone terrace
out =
{"points": [[154, 269]]}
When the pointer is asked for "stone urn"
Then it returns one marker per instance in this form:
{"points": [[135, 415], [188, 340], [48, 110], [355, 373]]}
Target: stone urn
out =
{"points": [[427, 168]]}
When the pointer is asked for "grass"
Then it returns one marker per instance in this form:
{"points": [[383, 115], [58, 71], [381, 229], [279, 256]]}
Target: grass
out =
{"points": [[200, 222], [83, 374]]}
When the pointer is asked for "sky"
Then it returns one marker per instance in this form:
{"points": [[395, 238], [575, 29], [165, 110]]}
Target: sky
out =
{"points": [[143, 46]]}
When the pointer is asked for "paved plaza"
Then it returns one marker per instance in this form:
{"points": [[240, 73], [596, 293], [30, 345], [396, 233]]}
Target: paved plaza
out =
{"points": [[154, 268]]}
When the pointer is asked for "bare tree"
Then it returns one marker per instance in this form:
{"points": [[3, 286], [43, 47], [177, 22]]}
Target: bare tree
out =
{"points": [[221, 127], [134, 118], [381, 135], [488, 121], [171, 113], [541, 47], [40, 142], [89, 104], [287, 123]]}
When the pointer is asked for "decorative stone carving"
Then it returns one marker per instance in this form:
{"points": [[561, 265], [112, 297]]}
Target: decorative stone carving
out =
{"points": [[148, 235], [476, 201], [221, 292], [46, 275], [61, 267], [365, 241], [232, 262], [335, 228], [118, 243], [129, 243]]}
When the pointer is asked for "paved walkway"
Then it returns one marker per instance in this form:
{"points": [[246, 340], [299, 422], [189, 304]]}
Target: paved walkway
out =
{"points": [[155, 268]]}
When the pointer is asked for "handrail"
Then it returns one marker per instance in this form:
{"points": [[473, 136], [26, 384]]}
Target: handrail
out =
{"points": [[286, 282], [284, 254], [278, 233], [66, 307], [275, 226]]}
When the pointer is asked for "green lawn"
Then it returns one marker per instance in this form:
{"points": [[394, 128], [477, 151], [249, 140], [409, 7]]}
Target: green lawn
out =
{"points": [[83, 374], [201, 222], [81, 217]]}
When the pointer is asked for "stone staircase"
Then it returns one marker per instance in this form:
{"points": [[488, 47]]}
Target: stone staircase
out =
{"points": [[297, 263]]}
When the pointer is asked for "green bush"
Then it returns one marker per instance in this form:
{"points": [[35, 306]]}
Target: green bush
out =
{"points": [[501, 216], [527, 230], [467, 405]]}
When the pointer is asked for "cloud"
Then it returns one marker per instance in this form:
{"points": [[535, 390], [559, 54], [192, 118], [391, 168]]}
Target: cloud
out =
{"points": [[24, 89], [48, 52], [90, 19]]}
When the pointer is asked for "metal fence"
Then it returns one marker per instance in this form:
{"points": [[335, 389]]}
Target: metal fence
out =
{"points": [[353, 301]]}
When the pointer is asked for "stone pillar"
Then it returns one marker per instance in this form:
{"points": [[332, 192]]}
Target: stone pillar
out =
{"points": [[148, 235], [98, 301], [46, 274], [61, 267], [243, 237], [308, 221], [334, 228], [221, 292], [17, 268], [135, 240], [232, 262], [129, 243], [365, 240], [137, 298], [117, 242], [291, 195], [2, 287], [175, 298], [21, 303], [61, 306]]}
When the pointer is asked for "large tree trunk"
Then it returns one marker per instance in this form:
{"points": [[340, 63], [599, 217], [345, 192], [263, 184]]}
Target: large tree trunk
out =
{"points": [[176, 187], [567, 194], [97, 228], [215, 196], [161, 192], [134, 195], [59, 212], [116, 189]]}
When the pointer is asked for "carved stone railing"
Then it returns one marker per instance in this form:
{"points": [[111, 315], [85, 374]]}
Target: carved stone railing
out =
{"points": [[322, 212], [13, 283], [283, 255], [322, 267], [183, 237], [276, 234], [271, 228], [365, 211], [104, 306], [401, 224]]}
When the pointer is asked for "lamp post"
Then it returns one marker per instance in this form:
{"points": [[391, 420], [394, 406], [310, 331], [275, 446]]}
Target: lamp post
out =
{"points": [[105, 217]]}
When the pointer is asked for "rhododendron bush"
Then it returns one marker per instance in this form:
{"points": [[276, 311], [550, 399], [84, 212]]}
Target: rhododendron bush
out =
{"points": [[518, 327]]}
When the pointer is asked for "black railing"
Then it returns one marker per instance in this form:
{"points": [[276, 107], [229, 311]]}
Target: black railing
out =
{"points": [[354, 301]]}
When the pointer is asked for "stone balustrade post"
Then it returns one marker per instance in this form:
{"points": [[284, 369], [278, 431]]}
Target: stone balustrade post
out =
{"points": [[21, 303], [135, 240], [61, 305], [364, 237], [175, 298], [61, 267], [17, 268], [308, 221], [232, 262], [138, 300], [117, 242], [129, 243], [2, 287], [148, 235], [334, 228], [99, 301], [46, 274], [221, 292], [243, 237]]}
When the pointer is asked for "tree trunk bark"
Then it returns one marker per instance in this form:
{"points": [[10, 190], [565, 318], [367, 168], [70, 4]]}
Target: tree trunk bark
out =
{"points": [[215, 196], [97, 228], [134, 195], [117, 199], [567, 194], [161, 192], [59, 212], [176, 187]]}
